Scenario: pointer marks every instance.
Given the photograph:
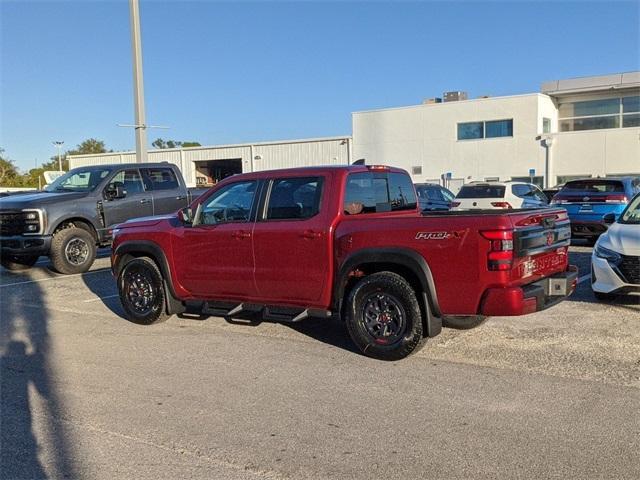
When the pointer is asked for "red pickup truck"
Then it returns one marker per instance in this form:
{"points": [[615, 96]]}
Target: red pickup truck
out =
{"points": [[343, 241]]}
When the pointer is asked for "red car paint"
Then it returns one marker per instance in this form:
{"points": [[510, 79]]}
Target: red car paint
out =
{"points": [[299, 262]]}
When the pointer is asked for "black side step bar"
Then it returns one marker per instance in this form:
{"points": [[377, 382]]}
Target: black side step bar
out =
{"points": [[274, 313]]}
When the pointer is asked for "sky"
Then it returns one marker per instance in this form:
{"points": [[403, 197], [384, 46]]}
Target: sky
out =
{"points": [[230, 72]]}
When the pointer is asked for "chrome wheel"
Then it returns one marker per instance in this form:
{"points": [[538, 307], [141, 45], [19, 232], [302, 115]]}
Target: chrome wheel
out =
{"points": [[139, 291], [384, 318], [77, 251]]}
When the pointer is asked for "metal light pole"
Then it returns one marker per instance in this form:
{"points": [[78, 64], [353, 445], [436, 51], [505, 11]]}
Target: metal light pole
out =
{"points": [[138, 84], [58, 144]]}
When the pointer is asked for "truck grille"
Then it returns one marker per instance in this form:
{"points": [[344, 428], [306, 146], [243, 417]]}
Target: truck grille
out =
{"points": [[630, 268], [18, 223]]}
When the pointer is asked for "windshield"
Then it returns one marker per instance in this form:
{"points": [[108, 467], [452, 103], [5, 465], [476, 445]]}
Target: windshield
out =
{"points": [[78, 180], [481, 191], [632, 213]]}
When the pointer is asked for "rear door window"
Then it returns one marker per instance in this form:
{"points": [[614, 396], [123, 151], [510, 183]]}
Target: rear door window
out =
{"points": [[294, 198], [481, 191], [160, 178], [521, 191], [130, 180], [378, 192]]}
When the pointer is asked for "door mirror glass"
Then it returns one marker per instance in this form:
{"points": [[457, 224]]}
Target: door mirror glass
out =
{"points": [[609, 218], [186, 215], [115, 191]]}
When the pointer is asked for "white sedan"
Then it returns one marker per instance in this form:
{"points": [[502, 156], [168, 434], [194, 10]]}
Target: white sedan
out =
{"points": [[615, 261]]}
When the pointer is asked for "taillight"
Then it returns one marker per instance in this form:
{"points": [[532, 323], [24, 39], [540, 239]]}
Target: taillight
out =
{"points": [[501, 204], [616, 199], [500, 256], [455, 204]]}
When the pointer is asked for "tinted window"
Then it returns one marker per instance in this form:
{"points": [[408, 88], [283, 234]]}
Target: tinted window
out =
{"points": [[481, 191], [521, 190], [401, 193], [130, 180], [498, 128], [430, 193], [160, 179], [632, 213], [232, 203], [595, 186], [590, 108], [369, 193], [293, 198], [470, 130]]}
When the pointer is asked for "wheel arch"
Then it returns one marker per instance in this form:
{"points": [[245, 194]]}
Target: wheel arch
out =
{"points": [[144, 248], [77, 221], [407, 263]]}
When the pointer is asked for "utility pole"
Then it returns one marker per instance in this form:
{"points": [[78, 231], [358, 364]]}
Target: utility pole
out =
{"points": [[58, 144], [138, 83]]}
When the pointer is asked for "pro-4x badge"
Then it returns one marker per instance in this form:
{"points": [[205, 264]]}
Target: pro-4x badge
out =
{"points": [[432, 235]]}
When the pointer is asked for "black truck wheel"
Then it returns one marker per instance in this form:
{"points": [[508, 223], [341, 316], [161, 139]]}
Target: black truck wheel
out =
{"points": [[141, 289], [383, 317], [73, 250], [17, 263]]}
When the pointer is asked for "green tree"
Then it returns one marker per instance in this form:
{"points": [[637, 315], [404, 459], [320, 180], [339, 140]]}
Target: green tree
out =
{"points": [[9, 175], [162, 144], [89, 146]]}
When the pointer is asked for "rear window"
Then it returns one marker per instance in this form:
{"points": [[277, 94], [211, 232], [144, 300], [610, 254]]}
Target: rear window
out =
{"points": [[595, 186], [430, 193], [371, 193], [481, 191]]}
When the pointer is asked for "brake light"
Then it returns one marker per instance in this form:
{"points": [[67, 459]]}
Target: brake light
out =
{"points": [[501, 204], [616, 199], [455, 204], [379, 168], [500, 256]]}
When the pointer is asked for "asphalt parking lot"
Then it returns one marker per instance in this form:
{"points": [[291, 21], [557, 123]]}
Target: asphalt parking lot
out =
{"points": [[86, 394]]}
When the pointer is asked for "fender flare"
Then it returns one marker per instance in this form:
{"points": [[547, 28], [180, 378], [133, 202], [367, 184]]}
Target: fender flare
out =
{"points": [[153, 250], [399, 256]]}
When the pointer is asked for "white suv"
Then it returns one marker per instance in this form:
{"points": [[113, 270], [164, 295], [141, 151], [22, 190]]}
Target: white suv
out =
{"points": [[615, 261], [488, 195]]}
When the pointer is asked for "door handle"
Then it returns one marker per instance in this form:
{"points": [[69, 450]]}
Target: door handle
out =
{"points": [[239, 235], [311, 234], [145, 200]]}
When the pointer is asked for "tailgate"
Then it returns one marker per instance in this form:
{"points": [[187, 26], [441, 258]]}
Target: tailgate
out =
{"points": [[540, 243]]}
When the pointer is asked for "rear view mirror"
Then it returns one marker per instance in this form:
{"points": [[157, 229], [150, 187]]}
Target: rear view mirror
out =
{"points": [[609, 218]]}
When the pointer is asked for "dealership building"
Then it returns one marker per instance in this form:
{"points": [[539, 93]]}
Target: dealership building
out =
{"points": [[572, 128]]}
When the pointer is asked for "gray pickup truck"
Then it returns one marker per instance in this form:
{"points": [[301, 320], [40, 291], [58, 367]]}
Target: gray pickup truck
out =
{"points": [[75, 215]]}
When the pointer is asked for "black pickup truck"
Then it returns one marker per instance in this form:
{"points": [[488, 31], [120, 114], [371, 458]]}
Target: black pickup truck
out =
{"points": [[75, 214]]}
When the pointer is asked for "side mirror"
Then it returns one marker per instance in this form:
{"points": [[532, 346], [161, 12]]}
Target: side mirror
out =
{"points": [[116, 191], [609, 218], [186, 215]]}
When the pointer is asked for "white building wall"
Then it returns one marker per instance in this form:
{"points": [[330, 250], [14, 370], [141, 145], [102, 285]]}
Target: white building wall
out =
{"points": [[254, 157], [426, 136]]}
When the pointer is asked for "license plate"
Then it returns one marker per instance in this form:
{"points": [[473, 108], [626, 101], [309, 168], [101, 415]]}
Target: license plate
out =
{"points": [[586, 207]]}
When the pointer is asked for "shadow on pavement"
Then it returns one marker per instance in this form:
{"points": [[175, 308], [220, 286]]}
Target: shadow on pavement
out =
{"points": [[24, 363], [104, 287]]}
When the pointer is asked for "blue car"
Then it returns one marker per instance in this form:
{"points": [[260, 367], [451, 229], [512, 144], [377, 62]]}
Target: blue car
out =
{"points": [[588, 200]]}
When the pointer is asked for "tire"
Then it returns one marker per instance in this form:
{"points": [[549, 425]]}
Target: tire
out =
{"points": [[604, 297], [141, 290], [73, 250], [17, 263], [399, 332], [463, 323]]}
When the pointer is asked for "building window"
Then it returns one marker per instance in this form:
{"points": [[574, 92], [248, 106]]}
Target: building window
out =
{"points": [[498, 128], [416, 170], [470, 130], [546, 125], [486, 129], [597, 114]]}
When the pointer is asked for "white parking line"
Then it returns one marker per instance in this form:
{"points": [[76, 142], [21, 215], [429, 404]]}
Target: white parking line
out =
{"points": [[100, 298], [584, 278], [57, 277]]}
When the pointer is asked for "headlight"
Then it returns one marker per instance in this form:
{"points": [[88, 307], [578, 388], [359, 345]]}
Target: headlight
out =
{"points": [[609, 255]]}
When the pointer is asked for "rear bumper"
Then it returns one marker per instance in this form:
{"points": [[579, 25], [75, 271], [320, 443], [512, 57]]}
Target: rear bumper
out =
{"points": [[20, 245], [530, 298], [587, 229]]}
